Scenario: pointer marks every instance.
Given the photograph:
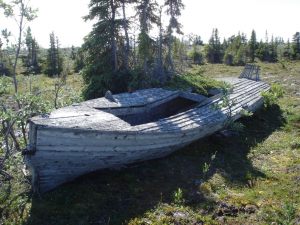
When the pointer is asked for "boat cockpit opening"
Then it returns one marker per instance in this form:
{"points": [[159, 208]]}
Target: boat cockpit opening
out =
{"points": [[155, 113]]}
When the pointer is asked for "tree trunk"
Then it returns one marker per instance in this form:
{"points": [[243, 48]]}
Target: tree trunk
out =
{"points": [[127, 48], [170, 58], [144, 31], [170, 42], [160, 39], [114, 44], [160, 51], [18, 49]]}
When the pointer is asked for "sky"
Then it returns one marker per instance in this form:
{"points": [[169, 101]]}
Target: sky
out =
{"points": [[278, 17]]}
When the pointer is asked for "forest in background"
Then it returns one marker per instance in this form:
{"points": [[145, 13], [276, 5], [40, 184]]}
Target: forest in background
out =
{"points": [[121, 52]]}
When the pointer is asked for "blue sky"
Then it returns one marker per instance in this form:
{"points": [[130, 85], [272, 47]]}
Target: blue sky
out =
{"points": [[279, 17]]}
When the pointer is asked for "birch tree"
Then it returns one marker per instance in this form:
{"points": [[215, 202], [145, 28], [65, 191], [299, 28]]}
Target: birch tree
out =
{"points": [[22, 13]]}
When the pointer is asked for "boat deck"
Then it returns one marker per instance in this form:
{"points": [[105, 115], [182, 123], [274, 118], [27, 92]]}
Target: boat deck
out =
{"points": [[104, 115]]}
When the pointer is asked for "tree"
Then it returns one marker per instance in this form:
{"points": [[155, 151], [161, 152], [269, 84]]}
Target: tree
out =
{"points": [[287, 52], [22, 12], [126, 27], [214, 51], [174, 8], [296, 46], [159, 70], [273, 50], [79, 60], [236, 52], [54, 59], [198, 40], [73, 53], [262, 51], [103, 69], [196, 55], [146, 10], [252, 46], [31, 61], [5, 61]]}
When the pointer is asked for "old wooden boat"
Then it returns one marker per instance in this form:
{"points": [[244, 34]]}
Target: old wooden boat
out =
{"points": [[127, 128]]}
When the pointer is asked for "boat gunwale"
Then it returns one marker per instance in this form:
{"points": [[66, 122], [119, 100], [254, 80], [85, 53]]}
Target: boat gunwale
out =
{"points": [[139, 129]]}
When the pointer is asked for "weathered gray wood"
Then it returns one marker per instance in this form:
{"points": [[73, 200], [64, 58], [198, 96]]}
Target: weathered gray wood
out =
{"points": [[90, 136], [251, 72]]}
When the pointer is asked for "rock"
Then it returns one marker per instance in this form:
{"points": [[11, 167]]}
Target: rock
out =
{"points": [[293, 169], [179, 215], [297, 221], [225, 209], [297, 179], [221, 219], [250, 209], [109, 96], [198, 223]]}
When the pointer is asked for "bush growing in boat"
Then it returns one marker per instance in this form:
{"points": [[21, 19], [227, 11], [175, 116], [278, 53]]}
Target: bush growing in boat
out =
{"points": [[195, 80]]}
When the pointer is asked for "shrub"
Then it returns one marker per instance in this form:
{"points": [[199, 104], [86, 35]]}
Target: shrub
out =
{"points": [[178, 197], [5, 83], [194, 80], [271, 97]]}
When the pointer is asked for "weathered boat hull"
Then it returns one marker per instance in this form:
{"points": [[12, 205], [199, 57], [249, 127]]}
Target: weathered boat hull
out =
{"points": [[61, 154]]}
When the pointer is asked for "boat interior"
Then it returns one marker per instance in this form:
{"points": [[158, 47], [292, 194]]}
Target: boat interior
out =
{"points": [[166, 109]]}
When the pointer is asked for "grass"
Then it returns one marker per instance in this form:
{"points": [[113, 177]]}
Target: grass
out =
{"points": [[44, 87], [251, 178]]}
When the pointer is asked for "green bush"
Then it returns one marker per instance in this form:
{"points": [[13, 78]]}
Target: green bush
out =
{"points": [[271, 97], [194, 80], [96, 86], [178, 197], [5, 83]]}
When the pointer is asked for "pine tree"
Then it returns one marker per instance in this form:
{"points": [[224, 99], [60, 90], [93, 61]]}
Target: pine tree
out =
{"points": [[103, 69], [273, 50], [31, 62], [79, 60], [236, 52], [252, 46], [126, 28], [147, 11], [287, 53], [159, 71], [174, 8], [54, 58], [214, 51], [296, 46], [73, 53]]}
